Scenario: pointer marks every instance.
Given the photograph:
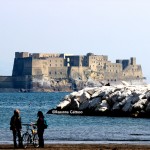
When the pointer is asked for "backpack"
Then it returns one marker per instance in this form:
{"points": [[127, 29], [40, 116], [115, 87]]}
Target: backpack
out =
{"points": [[45, 124]]}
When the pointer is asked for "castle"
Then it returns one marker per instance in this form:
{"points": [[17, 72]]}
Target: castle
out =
{"points": [[39, 69]]}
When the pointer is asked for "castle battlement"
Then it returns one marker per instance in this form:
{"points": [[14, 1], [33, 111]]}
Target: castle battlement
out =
{"points": [[75, 66], [65, 72], [30, 68]]}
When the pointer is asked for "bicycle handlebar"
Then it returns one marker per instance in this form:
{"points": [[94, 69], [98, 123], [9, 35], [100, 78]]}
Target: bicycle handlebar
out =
{"points": [[27, 124], [30, 126]]}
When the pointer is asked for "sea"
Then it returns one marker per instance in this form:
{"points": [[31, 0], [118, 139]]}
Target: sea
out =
{"points": [[65, 128]]}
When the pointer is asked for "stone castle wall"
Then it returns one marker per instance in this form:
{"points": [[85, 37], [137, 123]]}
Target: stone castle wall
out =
{"points": [[6, 82], [18, 82], [22, 66], [76, 66], [28, 67]]}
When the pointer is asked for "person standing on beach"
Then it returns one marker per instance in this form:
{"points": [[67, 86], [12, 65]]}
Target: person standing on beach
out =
{"points": [[40, 128], [15, 126]]}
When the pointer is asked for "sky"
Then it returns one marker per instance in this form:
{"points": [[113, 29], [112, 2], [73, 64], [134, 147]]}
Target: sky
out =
{"points": [[117, 28]]}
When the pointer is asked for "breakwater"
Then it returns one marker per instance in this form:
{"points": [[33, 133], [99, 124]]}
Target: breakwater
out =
{"points": [[113, 100]]}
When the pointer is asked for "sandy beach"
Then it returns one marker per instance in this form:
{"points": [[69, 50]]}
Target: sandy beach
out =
{"points": [[84, 147]]}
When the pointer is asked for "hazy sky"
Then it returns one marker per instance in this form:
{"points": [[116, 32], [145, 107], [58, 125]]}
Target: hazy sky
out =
{"points": [[117, 28]]}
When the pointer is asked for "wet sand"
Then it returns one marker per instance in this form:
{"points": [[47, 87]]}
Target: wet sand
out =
{"points": [[84, 147]]}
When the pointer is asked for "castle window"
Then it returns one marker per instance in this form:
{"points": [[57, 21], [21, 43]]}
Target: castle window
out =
{"points": [[60, 72], [56, 65], [50, 64]]}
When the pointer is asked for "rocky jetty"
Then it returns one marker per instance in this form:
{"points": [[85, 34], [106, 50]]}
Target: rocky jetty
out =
{"points": [[111, 100]]}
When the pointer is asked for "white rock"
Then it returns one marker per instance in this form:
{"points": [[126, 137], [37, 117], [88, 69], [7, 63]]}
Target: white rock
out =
{"points": [[91, 90], [114, 96], [125, 83], [67, 97], [103, 106], [107, 93], [73, 94], [102, 109], [102, 91], [140, 104], [79, 93], [63, 104], [126, 93], [84, 97], [96, 94], [119, 87], [104, 103]]}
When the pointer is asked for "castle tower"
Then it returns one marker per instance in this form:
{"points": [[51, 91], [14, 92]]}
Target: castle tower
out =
{"points": [[133, 61]]}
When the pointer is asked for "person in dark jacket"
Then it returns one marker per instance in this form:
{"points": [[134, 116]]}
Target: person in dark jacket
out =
{"points": [[40, 128], [15, 126]]}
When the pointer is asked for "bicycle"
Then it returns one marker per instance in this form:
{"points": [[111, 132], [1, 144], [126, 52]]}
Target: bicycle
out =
{"points": [[30, 136]]}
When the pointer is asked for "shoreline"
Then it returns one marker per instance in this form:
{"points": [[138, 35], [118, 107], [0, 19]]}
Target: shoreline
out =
{"points": [[112, 146], [55, 142], [86, 145]]}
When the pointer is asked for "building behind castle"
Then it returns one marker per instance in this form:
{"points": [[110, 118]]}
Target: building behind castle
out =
{"points": [[39, 69]]}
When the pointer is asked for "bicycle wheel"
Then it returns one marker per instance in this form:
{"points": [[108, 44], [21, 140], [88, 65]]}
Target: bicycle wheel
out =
{"points": [[36, 140], [26, 140]]}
